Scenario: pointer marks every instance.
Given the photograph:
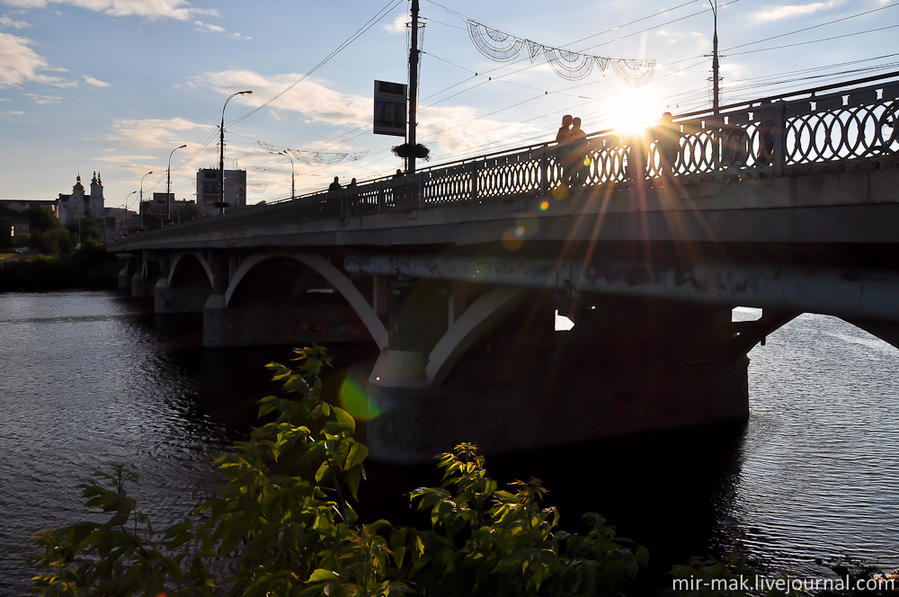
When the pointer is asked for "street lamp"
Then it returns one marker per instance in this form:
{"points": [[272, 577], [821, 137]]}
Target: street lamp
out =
{"points": [[287, 155], [715, 104], [140, 205], [128, 196], [168, 184], [222, 149]]}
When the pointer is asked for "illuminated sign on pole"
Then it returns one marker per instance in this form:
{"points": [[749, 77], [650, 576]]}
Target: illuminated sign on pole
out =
{"points": [[390, 109]]}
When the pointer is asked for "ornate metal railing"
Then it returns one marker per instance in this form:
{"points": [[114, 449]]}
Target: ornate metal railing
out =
{"points": [[840, 123], [836, 123]]}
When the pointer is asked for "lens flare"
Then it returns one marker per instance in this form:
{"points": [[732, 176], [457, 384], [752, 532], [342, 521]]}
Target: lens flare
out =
{"points": [[544, 205], [355, 400], [560, 192]]}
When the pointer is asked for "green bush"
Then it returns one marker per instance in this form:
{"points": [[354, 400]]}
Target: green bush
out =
{"points": [[285, 523], [55, 241]]}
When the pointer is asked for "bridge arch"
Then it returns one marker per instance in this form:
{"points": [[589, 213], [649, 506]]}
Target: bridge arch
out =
{"points": [[340, 281], [481, 316], [204, 263]]}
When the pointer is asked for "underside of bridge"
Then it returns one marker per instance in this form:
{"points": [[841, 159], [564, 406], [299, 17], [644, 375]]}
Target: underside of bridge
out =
{"points": [[785, 204], [468, 345]]}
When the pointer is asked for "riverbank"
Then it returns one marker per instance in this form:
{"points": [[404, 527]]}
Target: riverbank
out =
{"points": [[90, 268]]}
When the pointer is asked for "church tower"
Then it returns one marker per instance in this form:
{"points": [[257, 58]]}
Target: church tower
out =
{"points": [[96, 197]]}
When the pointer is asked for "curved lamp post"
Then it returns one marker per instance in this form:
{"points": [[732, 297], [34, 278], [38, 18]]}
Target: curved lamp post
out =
{"points": [[127, 197], [715, 57], [222, 150], [292, 176], [140, 205], [168, 184]]}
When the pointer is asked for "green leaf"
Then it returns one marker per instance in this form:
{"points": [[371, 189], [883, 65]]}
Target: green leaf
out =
{"points": [[322, 575], [344, 417]]}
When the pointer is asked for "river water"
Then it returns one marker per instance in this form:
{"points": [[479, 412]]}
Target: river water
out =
{"points": [[87, 378]]}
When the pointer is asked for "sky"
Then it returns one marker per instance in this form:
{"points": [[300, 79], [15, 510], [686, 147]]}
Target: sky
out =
{"points": [[115, 85]]}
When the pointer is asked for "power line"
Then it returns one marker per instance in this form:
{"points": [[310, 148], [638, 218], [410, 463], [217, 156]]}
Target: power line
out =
{"points": [[819, 25], [391, 4]]}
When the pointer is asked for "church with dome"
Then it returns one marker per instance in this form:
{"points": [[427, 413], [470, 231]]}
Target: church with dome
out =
{"points": [[70, 209]]}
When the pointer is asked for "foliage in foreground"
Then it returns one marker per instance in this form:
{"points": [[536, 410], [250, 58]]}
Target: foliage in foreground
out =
{"points": [[285, 523]]}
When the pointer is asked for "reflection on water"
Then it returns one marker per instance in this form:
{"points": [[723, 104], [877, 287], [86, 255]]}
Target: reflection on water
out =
{"points": [[86, 380]]}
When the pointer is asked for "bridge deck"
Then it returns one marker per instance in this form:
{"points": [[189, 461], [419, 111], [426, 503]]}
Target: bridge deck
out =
{"points": [[761, 171]]}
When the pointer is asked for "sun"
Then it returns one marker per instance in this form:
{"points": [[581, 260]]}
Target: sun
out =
{"points": [[633, 110]]}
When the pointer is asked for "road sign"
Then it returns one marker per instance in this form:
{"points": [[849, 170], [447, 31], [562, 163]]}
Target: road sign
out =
{"points": [[390, 109]]}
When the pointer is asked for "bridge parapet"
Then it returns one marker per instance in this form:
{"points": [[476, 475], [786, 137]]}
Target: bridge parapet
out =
{"points": [[824, 127]]}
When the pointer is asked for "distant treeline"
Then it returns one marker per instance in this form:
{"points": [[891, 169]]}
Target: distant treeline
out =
{"points": [[88, 268]]}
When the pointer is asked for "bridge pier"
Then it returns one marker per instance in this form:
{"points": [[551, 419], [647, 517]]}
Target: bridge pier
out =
{"points": [[628, 366]]}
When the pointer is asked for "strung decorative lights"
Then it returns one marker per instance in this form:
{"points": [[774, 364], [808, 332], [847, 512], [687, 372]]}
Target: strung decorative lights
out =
{"points": [[315, 158], [502, 47]]}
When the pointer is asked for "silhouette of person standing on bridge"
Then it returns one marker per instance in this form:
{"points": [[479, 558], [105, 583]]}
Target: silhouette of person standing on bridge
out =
{"points": [[564, 130], [667, 140], [765, 155], [563, 137], [578, 154], [352, 194], [334, 186]]}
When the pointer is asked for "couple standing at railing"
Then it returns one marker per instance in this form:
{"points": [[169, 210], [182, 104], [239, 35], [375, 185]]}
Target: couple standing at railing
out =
{"points": [[573, 157]]}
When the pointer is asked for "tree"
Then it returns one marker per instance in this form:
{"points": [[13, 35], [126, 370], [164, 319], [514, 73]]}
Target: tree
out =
{"points": [[40, 219], [285, 523]]}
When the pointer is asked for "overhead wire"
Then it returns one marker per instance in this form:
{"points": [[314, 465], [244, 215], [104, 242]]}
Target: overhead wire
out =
{"points": [[391, 4]]}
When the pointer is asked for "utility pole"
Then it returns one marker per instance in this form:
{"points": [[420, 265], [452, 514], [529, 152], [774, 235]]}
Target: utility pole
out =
{"points": [[715, 77], [413, 87]]}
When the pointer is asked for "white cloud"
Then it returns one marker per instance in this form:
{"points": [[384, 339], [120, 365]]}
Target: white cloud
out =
{"points": [[178, 10], [209, 27], [20, 64], [44, 100], [239, 35], [26, 3], [458, 129], [789, 11], [11, 23], [673, 37], [398, 25], [13, 113], [127, 160], [95, 82], [154, 133]]}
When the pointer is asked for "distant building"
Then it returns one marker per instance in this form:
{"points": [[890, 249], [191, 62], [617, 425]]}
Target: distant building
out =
{"points": [[208, 191], [163, 208], [119, 222], [70, 209], [13, 218]]}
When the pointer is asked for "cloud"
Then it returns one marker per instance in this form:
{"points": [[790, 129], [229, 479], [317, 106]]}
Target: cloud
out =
{"points": [[13, 113], [239, 35], [398, 25], [178, 10], [11, 23], [155, 133], [209, 27], [673, 37], [44, 100], [317, 102], [789, 11], [127, 160], [20, 64], [95, 82], [458, 129]]}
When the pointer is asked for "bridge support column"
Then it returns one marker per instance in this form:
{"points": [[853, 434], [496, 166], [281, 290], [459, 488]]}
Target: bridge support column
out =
{"points": [[124, 277], [215, 315], [628, 366]]}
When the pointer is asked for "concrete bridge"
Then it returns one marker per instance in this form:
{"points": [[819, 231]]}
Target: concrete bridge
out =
{"points": [[789, 204]]}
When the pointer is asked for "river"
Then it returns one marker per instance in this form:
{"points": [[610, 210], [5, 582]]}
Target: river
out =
{"points": [[87, 378]]}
